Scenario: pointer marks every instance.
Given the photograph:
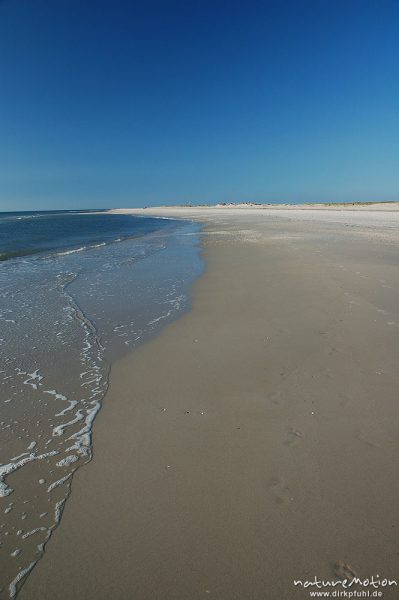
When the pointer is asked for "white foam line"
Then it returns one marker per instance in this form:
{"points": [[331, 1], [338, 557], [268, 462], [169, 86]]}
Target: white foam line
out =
{"points": [[55, 394], [71, 251], [68, 460], [14, 466], [13, 585], [72, 404], [165, 316], [59, 507], [29, 533], [58, 482], [20, 456], [94, 380], [83, 437], [59, 430], [32, 377]]}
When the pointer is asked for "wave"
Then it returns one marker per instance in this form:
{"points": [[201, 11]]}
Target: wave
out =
{"points": [[16, 253], [66, 252], [54, 252]]}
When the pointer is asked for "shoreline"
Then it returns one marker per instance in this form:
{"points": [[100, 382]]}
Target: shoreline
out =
{"points": [[53, 391], [230, 450]]}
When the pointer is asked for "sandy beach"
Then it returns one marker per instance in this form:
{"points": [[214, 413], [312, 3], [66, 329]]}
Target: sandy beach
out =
{"points": [[255, 441]]}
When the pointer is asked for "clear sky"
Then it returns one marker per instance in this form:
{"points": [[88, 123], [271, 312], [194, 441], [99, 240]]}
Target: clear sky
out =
{"points": [[127, 103]]}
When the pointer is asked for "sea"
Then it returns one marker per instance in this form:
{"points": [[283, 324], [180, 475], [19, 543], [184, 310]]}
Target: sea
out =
{"points": [[78, 290]]}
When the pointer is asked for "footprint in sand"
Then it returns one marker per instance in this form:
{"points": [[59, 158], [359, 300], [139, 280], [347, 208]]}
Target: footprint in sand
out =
{"points": [[280, 492], [293, 437], [344, 571]]}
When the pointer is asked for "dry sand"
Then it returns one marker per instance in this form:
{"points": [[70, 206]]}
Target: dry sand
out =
{"points": [[255, 441]]}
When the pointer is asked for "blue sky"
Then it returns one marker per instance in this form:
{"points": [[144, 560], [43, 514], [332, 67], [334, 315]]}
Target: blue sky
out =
{"points": [[128, 103]]}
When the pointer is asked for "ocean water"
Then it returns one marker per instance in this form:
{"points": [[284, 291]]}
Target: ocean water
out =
{"points": [[77, 291]]}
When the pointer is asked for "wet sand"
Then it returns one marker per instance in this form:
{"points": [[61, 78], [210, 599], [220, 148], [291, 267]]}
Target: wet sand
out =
{"points": [[255, 441]]}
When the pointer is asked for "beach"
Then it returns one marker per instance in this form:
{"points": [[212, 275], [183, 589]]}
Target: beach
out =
{"points": [[254, 441]]}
